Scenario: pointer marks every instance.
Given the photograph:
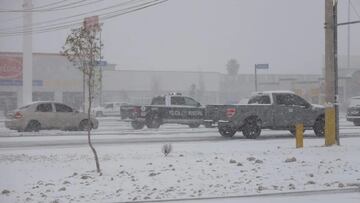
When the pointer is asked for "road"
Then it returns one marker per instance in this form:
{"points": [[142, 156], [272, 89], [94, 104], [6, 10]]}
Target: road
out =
{"points": [[349, 195], [114, 132]]}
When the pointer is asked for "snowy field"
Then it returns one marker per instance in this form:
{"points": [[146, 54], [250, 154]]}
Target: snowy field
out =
{"points": [[140, 171]]}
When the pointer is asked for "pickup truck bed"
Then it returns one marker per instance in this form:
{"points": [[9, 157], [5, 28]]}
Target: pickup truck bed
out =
{"points": [[214, 113]]}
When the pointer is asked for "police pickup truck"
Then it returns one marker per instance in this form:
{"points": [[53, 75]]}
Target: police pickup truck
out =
{"points": [[172, 108], [277, 110]]}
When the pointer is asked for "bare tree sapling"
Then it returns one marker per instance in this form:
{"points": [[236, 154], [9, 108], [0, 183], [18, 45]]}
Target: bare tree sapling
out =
{"points": [[82, 47]]}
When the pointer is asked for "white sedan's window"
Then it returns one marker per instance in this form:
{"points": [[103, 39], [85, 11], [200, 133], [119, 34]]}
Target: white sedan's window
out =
{"points": [[62, 108], [46, 107]]}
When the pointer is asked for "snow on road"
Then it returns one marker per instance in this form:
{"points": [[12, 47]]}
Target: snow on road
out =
{"points": [[328, 196], [136, 172]]}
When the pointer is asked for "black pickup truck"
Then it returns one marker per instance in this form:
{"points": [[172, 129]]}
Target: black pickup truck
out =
{"points": [[278, 110], [172, 108]]}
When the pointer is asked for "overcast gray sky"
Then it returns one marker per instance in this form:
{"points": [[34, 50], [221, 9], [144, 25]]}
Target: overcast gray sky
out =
{"points": [[202, 35]]}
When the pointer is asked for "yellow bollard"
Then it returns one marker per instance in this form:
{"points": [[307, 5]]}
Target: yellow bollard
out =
{"points": [[330, 126], [299, 135]]}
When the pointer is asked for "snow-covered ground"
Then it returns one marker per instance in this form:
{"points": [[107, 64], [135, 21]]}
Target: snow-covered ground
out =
{"points": [[135, 172]]}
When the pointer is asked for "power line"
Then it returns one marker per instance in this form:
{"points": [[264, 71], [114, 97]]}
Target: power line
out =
{"points": [[137, 9], [17, 18], [103, 17], [34, 25], [41, 6], [56, 8], [51, 4], [68, 6]]}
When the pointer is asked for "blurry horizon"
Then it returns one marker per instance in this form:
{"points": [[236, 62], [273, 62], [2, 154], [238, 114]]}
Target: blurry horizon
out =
{"points": [[202, 35]]}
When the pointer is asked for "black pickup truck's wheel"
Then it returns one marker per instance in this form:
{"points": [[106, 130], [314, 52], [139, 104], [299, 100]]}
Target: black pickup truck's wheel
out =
{"points": [[153, 120], [194, 125], [357, 123], [251, 128], [319, 127], [227, 131], [137, 125]]}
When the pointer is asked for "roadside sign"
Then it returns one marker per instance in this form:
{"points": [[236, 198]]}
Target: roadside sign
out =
{"points": [[91, 23], [11, 67], [262, 66], [101, 63]]}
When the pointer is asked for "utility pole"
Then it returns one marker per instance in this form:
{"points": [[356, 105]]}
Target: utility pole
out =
{"points": [[348, 37], [101, 71], [329, 53], [337, 133], [27, 53], [331, 93]]}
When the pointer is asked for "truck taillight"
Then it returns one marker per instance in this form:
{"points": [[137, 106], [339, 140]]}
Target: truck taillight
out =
{"points": [[136, 111], [18, 115], [230, 112]]}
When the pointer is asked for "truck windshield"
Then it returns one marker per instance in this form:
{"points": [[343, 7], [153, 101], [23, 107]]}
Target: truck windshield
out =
{"points": [[177, 101], [259, 99], [191, 102], [158, 101]]}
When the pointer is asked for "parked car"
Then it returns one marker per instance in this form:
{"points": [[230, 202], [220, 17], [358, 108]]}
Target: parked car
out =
{"points": [[353, 111], [48, 115], [108, 109], [172, 108], [277, 110]]}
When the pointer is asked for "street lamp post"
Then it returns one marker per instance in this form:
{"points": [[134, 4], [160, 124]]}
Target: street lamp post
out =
{"points": [[255, 79]]}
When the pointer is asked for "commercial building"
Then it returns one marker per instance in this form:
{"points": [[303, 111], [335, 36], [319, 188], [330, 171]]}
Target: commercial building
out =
{"points": [[55, 78]]}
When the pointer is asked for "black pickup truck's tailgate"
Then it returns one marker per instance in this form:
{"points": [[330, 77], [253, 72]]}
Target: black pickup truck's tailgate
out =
{"points": [[129, 111], [214, 113]]}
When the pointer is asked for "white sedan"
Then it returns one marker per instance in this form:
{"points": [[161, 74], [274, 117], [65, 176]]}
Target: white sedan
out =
{"points": [[48, 115]]}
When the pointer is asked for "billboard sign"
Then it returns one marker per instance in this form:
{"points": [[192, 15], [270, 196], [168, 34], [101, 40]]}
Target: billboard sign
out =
{"points": [[10, 67], [91, 23], [101, 63]]}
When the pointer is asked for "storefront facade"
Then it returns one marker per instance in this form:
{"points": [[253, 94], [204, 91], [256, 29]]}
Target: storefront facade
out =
{"points": [[55, 78]]}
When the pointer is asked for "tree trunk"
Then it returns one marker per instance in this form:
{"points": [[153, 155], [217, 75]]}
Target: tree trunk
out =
{"points": [[89, 124], [95, 154]]}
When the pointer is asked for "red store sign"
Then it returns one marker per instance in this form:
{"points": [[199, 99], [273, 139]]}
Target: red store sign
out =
{"points": [[10, 67]]}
